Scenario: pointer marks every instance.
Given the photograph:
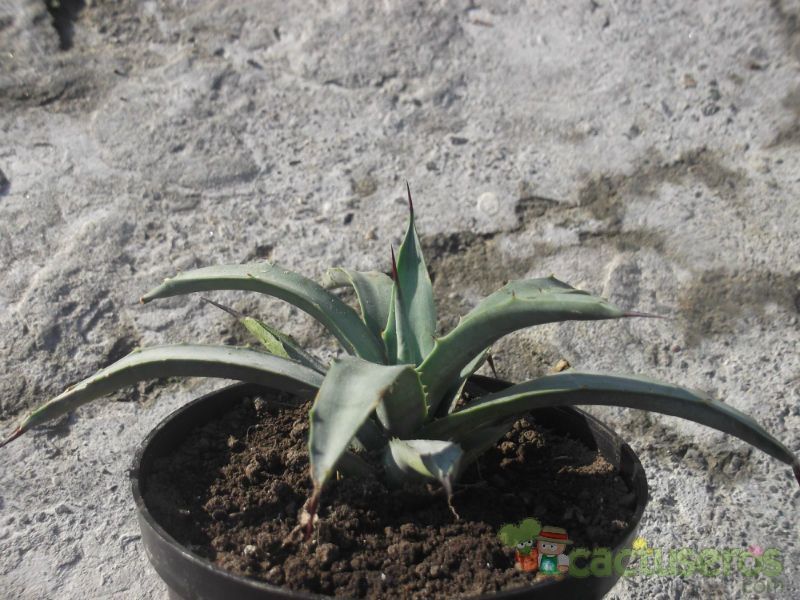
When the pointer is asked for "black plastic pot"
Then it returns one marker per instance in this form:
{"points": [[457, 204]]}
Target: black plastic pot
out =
{"points": [[189, 577]]}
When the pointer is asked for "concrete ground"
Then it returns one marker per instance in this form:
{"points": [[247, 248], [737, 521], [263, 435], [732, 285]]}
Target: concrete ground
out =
{"points": [[646, 151]]}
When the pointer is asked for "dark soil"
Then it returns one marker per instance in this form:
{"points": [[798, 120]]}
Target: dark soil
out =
{"points": [[233, 490]]}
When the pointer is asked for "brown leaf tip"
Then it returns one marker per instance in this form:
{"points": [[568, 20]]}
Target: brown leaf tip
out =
{"points": [[309, 514], [410, 203], [394, 265], [228, 310], [490, 360], [17, 432]]}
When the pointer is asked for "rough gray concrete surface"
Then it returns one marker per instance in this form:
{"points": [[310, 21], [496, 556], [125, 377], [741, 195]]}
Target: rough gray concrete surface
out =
{"points": [[644, 150]]}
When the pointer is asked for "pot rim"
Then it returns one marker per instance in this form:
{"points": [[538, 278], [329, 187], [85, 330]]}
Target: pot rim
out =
{"points": [[636, 479]]}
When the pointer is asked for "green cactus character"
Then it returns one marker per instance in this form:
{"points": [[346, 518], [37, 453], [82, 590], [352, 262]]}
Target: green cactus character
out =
{"points": [[522, 537]]}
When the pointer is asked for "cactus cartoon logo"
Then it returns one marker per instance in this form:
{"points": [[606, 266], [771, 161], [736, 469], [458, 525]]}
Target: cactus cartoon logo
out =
{"points": [[522, 537], [537, 549]]}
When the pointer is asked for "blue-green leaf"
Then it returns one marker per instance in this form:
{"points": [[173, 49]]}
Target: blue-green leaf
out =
{"points": [[404, 411], [373, 290], [571, 388], [516, 305], [351, 391], [353, 465], [341, 320], [431, 459], [476, 442], [389, 335], [182, 360], [414, 307], [399, 337], [453, 395]]}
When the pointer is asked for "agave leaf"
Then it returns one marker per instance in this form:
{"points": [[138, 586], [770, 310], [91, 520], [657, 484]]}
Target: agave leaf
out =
{"points": [[370, 436], [454, 393], [399, 338], [177, 361], [341, 320], [478, 441], [431, 459], [351, 391], [585, 388], [389, 335], [353, 465], [404, 411], [274, 341], [373, 290], [516, 305], [267, 339], [401, 330], [414, 305], [271, 337]]}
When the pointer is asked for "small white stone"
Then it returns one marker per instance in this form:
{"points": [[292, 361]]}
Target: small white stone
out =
{"points": [[488, 204]]}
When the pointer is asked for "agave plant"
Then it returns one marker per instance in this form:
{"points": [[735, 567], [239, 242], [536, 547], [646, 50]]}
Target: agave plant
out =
{"points": [[399, 393]]}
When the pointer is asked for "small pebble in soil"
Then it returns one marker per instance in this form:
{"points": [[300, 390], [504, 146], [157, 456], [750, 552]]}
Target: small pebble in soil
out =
{"points": [[275, 575], [326, 554], [253, 472], [260, 405]]}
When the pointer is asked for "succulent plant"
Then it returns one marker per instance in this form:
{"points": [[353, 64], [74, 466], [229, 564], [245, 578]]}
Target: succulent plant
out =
{"points": [[399, 393]]}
